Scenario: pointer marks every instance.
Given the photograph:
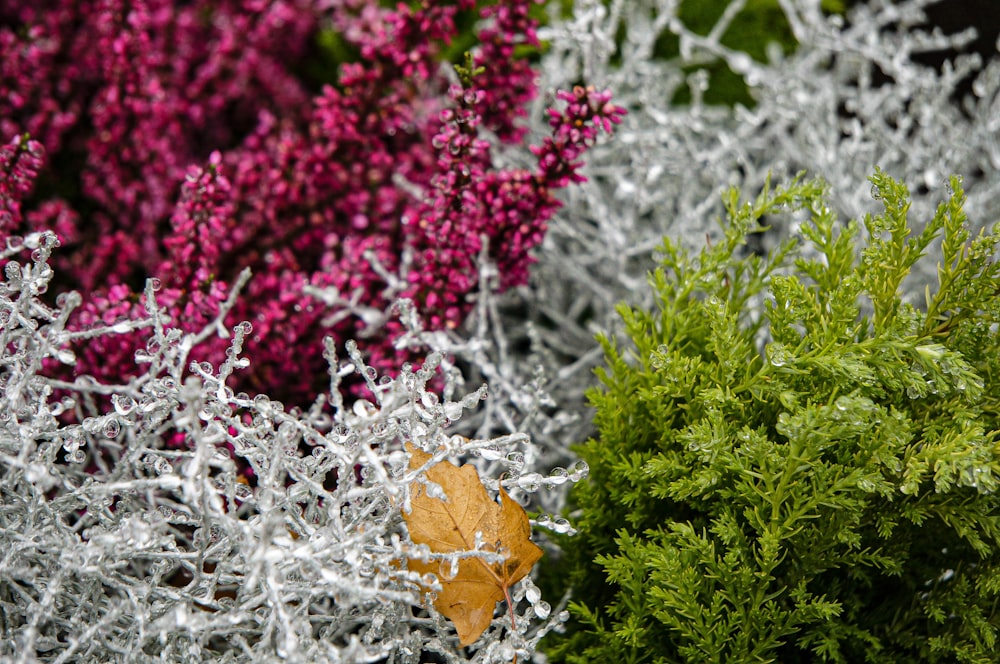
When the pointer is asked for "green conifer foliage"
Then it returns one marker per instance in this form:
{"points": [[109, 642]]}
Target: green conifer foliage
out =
{"points": [[794, 464]]}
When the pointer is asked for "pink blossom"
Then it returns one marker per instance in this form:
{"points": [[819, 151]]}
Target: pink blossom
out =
{"points": [[188, 147], [19, 163]]}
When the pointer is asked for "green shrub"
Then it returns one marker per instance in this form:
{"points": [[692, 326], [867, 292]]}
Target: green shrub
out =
{"points": [[794, 464]]}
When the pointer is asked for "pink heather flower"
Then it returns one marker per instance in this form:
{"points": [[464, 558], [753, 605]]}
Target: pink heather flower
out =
{"points": [[205, 209], [30, 102], [575, 129], [510, 207], [126, 95], [19, 163], [198, 153], [508, 83]]}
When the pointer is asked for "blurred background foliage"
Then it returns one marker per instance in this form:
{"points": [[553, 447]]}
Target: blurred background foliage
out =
{"points": [[759, 23]]}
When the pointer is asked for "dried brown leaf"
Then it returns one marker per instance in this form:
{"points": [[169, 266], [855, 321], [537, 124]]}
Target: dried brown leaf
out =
{"points": [[469, 596]]}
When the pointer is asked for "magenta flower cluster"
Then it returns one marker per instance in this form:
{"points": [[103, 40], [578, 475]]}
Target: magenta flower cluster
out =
{"points": [[182, 142], [19, 163]]}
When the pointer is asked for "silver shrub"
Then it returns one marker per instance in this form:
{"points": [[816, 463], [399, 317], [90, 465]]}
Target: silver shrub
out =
{"points": [[126, 534], [852, 96]]}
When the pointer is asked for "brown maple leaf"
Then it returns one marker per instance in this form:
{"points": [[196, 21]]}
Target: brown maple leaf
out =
{"points": [[470, 591]]}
